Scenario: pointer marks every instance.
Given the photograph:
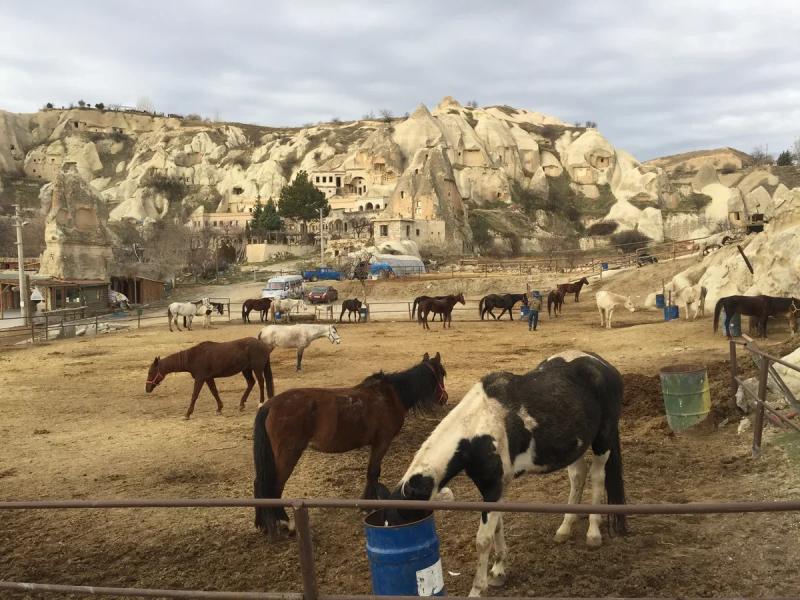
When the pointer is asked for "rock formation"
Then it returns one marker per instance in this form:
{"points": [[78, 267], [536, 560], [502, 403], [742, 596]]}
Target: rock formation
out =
{"points": [[77, 241]]}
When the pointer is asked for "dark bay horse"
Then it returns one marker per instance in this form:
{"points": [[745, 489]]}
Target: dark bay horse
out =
{"points": [[259, 304], [504, 301], [443, 307], [555, 299], [338, 420], [209, 360], [760, 308], [539, 422], [419, 299], [351, 306], [569, 288]]}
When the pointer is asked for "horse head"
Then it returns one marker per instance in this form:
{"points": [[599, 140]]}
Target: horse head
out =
{"points": [[629, 304], [154, 376], [333, 335], [459, 298], [439, 373], [584, 281]]}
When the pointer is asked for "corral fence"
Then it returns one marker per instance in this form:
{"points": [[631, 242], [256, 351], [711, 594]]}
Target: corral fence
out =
{"points": [[765, 363], [305, 544]]}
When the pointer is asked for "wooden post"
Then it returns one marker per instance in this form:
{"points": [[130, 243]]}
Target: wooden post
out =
{"points": [[746, 260], [758, 423], [47, 327], [734, 368], [33, 333]]}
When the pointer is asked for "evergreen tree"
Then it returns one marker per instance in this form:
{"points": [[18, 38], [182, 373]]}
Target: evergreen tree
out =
{"points": [[301, 200], [265, 218], [784, 159]]}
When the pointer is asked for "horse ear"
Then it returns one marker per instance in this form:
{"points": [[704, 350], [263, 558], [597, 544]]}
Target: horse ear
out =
{"points": [[426, 357], [155, 362], [437, 358]]}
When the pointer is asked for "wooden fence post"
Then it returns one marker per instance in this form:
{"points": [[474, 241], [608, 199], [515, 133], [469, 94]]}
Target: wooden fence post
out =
{"points": [[758, 423]]}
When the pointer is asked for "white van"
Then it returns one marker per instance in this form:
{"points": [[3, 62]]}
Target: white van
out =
{"points": [[283, 286]]}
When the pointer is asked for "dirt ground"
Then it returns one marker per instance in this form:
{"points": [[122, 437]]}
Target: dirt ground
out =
{"points": [[75, 422]]}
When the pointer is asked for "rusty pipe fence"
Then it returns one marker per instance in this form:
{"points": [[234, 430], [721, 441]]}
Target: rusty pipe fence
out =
{"points": [[766, 371], [310, 589]]}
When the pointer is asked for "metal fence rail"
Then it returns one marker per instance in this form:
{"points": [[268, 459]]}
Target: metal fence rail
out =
{"points": [[305, 545]]}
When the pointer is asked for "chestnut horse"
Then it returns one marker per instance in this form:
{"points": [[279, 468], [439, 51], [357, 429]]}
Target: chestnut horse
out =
{"points": [[260, 304], [443, 307], [568, 288], [419, 299], [337, 420], [759, 307], [555, 300], [208, 360]]}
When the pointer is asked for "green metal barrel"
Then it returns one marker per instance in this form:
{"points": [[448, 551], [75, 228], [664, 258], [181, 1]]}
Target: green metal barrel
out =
{"points": [[687, 397]]}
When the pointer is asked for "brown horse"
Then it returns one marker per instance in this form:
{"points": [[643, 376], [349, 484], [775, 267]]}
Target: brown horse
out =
{"points": [[443, 307], [351, 306], [555, 299], [419, 299], [338, 420], [505, 301], [569, 288], [208, 360], [260, 304], [760, 308]]}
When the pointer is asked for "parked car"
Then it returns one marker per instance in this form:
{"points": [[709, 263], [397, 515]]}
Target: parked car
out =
{"points": [[322, 294], [643, 257], [322, 274]]}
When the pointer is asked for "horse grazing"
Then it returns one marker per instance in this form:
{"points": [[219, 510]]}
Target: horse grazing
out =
{"points": [[607, 302], [443, 307], [555, 300], [338, 420], [419, 299], [504, 301], [351, 306], [285, 306], [759, 307], [569, 288], [187, 310], [692, 296], [260, 304], [539, 422], [296, 336], [208, 360]]}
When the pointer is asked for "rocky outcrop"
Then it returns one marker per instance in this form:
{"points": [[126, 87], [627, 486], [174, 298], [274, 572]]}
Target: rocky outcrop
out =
{"points": [[77, 242]]}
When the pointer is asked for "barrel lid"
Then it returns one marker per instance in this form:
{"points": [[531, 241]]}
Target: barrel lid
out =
{"points": [[377, 518], [677, 369]]}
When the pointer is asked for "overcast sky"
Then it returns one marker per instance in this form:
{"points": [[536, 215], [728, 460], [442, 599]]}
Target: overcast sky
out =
{"points": [[658, 77]]}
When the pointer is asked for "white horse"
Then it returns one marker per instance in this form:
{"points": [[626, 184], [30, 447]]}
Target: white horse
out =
{"points": [[286, 306], [296, 336], [692, 295], [186, 309], [607, 302]]}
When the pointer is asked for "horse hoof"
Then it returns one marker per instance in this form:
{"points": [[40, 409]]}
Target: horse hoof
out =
{"points": [[594, 541], [474, 593], [497, 580], [219, 413], [185, 417], [241, 407], [561, 537]]}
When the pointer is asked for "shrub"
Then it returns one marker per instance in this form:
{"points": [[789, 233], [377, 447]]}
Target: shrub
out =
{"points": [[630, 240], [603, 228], [727, 168], [49, 105], [698, 201], [173, 188], [784, 159], [100, 106], [481, 237]]}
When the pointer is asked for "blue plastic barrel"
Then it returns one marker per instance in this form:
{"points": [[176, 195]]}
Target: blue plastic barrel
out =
{"points": [[604, 266], [671, 313], [364, 312], [404, 559], [660, 301], [735, 326], [524, 311]]}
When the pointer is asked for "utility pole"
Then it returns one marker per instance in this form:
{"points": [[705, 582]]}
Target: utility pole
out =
{"points": [[321, 241], [24, 299]]}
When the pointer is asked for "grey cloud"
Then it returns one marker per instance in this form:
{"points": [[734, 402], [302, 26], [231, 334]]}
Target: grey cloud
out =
{"points": [[658, 77]]}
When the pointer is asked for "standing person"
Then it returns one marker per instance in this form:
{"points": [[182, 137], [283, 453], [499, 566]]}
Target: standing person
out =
{"points": [[534, 306]]}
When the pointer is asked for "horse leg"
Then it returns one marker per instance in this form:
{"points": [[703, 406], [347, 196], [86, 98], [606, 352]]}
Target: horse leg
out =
{"points": [[198, 385], [483, 542], [497, 574], [376, 454], [300, 358], [598, 476], [577, 479], [189, 320], [177, 325], [608, 317], [213, 387], [260, 378], [602, 317], [248, 375]]}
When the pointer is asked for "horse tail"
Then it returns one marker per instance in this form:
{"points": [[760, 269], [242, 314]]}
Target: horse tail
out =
{"points": [[266, 472], [615, 486], [414, 308], [268, 376], [703, 292], [169, 318], [549, 303], [717, 310], [480, 307], [244, 310]]}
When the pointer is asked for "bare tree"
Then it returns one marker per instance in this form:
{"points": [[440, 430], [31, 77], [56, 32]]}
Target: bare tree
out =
{"points": [[761, 156], [359, 225], [472, 104], [796, 151], [386, 115], [145, 104]]}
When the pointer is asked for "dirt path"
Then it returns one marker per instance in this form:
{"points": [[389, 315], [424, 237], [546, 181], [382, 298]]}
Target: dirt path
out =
{"points": [[76, 423]]}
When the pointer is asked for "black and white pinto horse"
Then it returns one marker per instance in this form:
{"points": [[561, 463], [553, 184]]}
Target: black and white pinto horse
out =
{"points": [[539, 422]]}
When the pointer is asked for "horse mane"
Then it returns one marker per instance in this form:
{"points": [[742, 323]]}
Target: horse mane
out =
{"points": [[410, 386]]}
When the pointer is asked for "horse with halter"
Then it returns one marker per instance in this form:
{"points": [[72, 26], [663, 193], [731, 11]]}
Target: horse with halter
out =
{"points": [[419, 299], [338, 420], [607, 302], [555, 300], [569, 288], [759, 307], [208, 360], [296, 336], [507, 425], [443, 307], [187, 310], [260, 304], [351, 306], [505, 301]]}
